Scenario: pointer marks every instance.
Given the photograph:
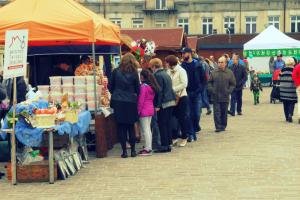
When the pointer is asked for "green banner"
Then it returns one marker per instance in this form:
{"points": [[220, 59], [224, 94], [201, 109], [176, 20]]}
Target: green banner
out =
{"points": [[271, 52]]}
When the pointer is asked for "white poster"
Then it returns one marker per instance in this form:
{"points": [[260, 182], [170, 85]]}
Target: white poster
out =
{"points": [[15, 53]]}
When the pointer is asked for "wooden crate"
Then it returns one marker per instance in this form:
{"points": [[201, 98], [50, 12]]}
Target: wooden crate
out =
{"points": [[35, 172]]}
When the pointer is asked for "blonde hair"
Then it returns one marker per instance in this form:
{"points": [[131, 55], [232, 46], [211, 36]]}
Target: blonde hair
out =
{"points": [[290, 62], [156, 62]]}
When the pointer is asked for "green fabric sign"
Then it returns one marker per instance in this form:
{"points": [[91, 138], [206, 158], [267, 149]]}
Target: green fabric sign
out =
{"points": [[271, 52]]}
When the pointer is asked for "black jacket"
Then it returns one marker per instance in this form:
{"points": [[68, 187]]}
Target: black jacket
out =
{"points": [[221, 84], [2, 93], [196, 76], [124, 87], [240, 74], [166, 93], [21, 89]]}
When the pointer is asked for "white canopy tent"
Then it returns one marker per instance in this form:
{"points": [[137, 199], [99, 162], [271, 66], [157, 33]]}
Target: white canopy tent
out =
{"points": [[269, 43]]}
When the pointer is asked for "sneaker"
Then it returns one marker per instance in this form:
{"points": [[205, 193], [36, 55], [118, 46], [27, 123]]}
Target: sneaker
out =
{"points": [[218, 130], [190, 139], [183, 142], [240, 113], [144, 152], [174, 142], [208, 112], [231, 113]]}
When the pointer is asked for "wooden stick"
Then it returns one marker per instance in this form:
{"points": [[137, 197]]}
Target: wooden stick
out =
{"points": [[13, 138]]}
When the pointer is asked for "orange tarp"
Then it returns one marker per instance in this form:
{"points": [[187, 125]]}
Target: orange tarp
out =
{"points": [[57, 22]]}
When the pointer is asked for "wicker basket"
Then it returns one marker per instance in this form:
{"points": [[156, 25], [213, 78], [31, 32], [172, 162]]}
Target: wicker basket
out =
{"points": [[44, 121]]}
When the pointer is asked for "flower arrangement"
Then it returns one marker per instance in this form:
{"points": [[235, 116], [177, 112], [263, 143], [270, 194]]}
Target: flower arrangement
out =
{"points": [[143, 47]]}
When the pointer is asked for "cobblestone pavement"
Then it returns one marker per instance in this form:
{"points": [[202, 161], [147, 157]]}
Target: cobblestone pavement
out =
{"points": [[258, 157]]}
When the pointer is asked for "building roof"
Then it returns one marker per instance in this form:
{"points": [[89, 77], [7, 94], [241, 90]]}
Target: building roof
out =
{"points": [[192, 42], [224, 41], [164, 38]]}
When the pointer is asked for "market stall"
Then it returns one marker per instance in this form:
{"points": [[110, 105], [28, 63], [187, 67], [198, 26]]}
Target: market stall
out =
{"points": [[269, 43], [78, 32]]}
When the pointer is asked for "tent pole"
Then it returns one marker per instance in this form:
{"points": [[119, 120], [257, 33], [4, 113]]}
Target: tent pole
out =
{"points": [[95, 78]]}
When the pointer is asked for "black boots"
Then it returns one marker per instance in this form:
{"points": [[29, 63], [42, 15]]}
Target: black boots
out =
{"points": [[290, 119], [133, 152], [124, 154]]}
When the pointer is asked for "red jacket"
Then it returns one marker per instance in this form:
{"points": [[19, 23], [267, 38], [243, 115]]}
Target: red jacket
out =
{"points": [[276, 74], [296, 75]]}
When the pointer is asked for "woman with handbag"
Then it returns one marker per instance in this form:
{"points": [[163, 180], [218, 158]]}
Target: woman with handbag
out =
{"points": [[182, 109], [125, 88]]}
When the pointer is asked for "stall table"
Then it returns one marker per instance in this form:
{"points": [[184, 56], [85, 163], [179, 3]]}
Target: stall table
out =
{"points": [[265, 79]]}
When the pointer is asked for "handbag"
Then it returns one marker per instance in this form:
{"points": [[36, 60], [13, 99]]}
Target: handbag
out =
{"points": [[177, 98]]}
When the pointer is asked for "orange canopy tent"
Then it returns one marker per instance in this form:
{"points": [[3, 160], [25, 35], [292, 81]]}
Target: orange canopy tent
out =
{"points": [[57, 22]]}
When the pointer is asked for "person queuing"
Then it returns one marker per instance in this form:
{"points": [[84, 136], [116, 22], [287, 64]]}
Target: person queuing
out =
{"points": [[296, 78], [221, 84], [164, 104], [279, 63], [271, 64], [287, 90], [212, 59], [182, 109], [240, 74], [125, 88], [204, 94], [255, 88], [146, 108], [196, 81]]}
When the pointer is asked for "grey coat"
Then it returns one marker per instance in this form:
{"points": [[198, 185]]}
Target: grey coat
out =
{"points": [[221, 84], [287, 87]]}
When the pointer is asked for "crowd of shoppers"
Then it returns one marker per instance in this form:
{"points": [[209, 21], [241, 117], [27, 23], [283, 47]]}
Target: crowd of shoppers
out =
{"points": [[179, 89]]}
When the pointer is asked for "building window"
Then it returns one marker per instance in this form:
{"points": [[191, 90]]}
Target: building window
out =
{"points": [[137, 23], [160, 24], [295, 24], [161, 4], [183, 22], [250, 25], [116, 21], [207, 26], [274, 20], [229, 25]]}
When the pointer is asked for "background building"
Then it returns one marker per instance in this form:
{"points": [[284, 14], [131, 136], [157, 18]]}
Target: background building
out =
{"points": [[202, 16]]}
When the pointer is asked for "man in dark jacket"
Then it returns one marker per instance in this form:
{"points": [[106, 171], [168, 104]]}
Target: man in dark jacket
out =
{"points": [[196, 81], [21, 89], [240, 74], [220, 86], [164, 103]]}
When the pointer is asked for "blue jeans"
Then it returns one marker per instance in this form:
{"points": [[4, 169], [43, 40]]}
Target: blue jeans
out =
{"points": [[195, 100], [236, 101], [205, 100]]}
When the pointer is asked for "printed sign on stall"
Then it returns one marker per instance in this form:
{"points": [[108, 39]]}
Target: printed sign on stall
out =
{"points": [[15, 53]]}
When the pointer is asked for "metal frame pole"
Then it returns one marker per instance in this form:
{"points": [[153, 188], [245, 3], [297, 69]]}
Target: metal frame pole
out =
{"points": [[13, 136], [95, 78], [51, 157]]}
